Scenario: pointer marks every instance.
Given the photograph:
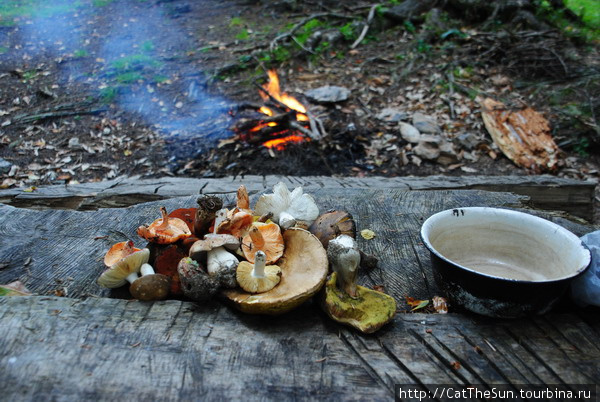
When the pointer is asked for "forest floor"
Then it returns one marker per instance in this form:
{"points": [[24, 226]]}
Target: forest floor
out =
{"points": [[99, 89]]}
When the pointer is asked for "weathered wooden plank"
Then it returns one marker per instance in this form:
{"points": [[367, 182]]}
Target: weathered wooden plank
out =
{"points": [[56, 349], [64, 349], [52, 250], [546, 192]]}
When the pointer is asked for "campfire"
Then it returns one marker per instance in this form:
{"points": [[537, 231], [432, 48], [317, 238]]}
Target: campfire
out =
{"points": [[280, 121]]}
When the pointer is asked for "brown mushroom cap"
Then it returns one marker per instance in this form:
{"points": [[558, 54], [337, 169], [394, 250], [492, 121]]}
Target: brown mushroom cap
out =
{"points": [[253, 284], [212, 241], [114, 276], [303, 272], [119, 251], [151, 287], [165, 230], [332, 224], [272, 243]]}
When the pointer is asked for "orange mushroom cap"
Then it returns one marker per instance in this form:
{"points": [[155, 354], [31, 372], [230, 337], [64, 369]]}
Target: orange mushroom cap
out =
{"points": [[265, 237], [237, 223], [119, 251], [165, 230], [185, 214]]}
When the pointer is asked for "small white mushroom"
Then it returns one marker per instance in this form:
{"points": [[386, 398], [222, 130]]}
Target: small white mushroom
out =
{"points": [[344, 257], [288, 208]]}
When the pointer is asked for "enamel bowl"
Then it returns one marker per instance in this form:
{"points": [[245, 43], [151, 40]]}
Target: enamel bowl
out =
{"points": [[502, 263]]}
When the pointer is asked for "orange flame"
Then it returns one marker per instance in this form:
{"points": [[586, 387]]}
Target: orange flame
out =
{"points": [[272, 87], [279, 143]]}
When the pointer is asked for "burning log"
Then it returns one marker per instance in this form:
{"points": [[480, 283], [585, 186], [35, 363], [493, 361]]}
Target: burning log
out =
{"points": [[283, 119]]}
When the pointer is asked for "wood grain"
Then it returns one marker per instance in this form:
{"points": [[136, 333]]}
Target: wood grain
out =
{"points": [[105, 349], [545, 191]]}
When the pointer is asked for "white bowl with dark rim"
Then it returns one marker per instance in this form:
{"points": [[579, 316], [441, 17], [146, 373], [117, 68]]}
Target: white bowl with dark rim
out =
{"points": [[500, 262]]}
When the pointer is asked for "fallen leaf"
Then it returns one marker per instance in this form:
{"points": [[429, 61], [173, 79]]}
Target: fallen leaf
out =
{"points": [[30, 189], [16, 288], [440, 305], [135, 345], [379, 288], [455, 365], [367, 234], [416, 304]]}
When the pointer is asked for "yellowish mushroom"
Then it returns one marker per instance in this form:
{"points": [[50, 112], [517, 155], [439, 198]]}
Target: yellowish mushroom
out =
{"points": [[258, 278]]}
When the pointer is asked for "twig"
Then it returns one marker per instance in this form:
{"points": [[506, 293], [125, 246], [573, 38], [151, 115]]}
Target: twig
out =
{"points": [[303, 130], [450, 94], [366, 27]]}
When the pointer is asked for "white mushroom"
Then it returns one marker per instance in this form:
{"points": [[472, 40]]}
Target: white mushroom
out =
{"points": [[219, 261], [288, 208], [125, 270], [344, 258]]}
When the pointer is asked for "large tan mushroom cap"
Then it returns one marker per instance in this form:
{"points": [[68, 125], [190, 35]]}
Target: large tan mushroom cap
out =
{"points": [[114, 276], [253, 284], [272, 243], [303, 272]]}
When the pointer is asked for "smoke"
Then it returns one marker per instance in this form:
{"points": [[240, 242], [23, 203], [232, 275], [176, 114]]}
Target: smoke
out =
{"points": [[131, 54]]}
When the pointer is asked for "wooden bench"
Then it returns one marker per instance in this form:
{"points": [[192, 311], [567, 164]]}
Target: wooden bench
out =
{"points": [[94, 345]]}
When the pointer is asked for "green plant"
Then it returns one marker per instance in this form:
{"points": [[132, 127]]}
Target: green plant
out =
{"points": [[101, 3], [243, 35], [78, 54], [134, 61], [29, 75], [108, 94], [582, 147], [3, 49], [236, 22], [129, 77], [307, 29], [347, 32], [423, 47]]}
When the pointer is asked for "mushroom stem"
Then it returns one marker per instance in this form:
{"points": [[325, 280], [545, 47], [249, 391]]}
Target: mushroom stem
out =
{"points": [[243, 202], [219, 259], [132, 277], [257, 238], [146, 269], [260, 261], [286, 220], [344, 257], [165, 219]]}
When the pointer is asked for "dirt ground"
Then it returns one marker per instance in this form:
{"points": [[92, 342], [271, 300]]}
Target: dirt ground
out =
{"points": [[104, 89]]}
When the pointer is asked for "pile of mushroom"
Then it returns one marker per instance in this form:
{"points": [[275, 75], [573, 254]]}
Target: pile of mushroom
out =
{"points": [[266, 260]]}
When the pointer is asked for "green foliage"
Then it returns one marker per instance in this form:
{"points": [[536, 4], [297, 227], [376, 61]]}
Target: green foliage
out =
{"points": [[29, 75], [108, 94], [3, 49], [11, 9], [134, 61], [347, 32], [236, 22], [129, 77], [307, 30], [80, 53], [409, 26], [423, 47], [101, 3], [147, 46], [243, 35], [582, 147], [588, 10]]}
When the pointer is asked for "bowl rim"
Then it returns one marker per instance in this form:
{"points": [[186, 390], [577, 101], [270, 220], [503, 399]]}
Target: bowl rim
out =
{"points": [[557, 228]]}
